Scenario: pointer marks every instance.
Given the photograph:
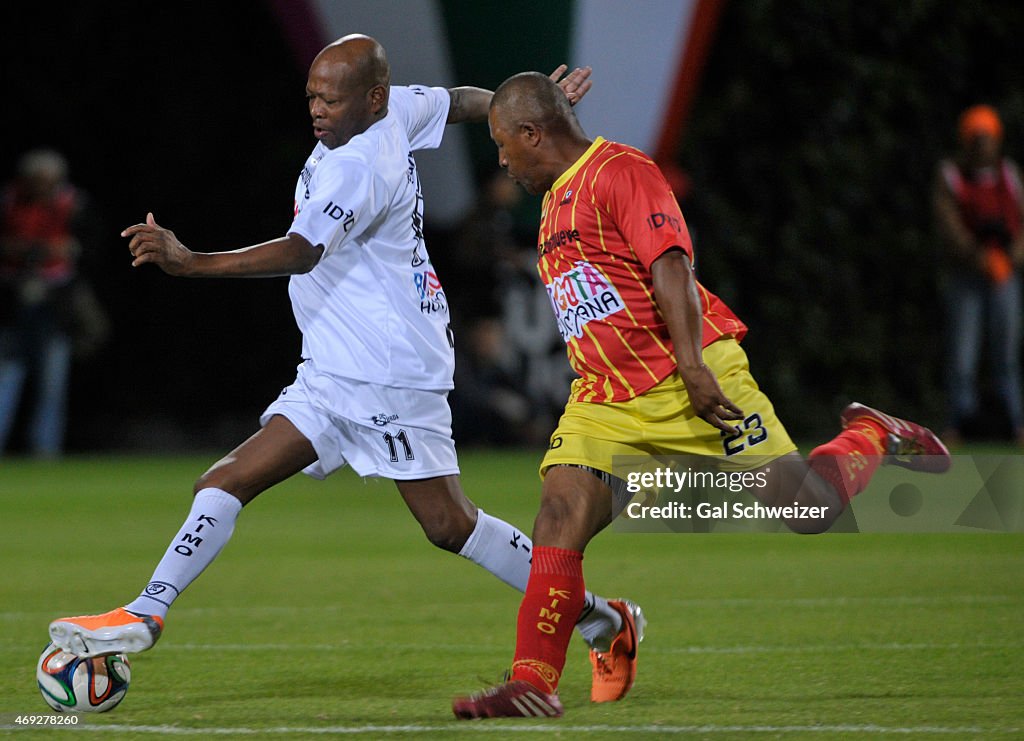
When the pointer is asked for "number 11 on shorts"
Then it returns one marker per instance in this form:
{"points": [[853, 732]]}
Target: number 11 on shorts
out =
{"points": [[392, 442]]}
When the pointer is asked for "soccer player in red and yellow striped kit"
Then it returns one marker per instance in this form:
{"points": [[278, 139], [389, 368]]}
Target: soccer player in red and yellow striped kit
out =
{"points": [[661, 372]]}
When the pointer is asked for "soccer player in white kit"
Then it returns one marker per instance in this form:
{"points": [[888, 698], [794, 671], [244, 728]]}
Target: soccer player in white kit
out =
{"points": [[377, 349]]}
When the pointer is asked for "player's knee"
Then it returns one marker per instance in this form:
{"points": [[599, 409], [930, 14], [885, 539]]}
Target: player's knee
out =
{"points": [[555, 511], [563, 520]]}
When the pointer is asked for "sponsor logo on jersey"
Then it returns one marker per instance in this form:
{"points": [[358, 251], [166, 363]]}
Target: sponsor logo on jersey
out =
{"points": [[658, 220], [566, 199], [558, 239], [582, 295], [338, 213], [383, 419], [430, 292]]}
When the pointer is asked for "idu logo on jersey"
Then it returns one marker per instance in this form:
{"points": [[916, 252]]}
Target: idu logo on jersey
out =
{"points": [[582, 295]]}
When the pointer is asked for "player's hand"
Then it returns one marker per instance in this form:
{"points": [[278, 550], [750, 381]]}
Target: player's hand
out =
{"points": [[708, 400], [575, 84], [150, 242]]}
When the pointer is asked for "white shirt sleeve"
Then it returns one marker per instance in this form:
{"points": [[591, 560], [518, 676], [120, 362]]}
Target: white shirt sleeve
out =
{"points": [[338, 207], [423, 112]]}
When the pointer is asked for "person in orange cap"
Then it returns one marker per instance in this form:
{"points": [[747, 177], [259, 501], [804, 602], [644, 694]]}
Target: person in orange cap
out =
{"points": [[979, 202]]}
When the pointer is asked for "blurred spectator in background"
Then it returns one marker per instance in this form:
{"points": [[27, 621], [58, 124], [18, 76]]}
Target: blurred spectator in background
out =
{"points": [[510, 368], [489, 406], [978, 202], [487, 238], [542, 367], [44, 308]]}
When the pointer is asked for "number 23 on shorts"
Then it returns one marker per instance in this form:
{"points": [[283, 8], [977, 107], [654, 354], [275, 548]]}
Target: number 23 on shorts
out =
{"points": [[752, 431]]}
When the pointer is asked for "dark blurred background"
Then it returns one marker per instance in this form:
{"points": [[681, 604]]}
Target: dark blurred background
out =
{"points": [[812, 149], [809, 153]]}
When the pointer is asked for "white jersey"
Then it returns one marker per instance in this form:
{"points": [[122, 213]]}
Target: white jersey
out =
{"points": [[373, 308]]}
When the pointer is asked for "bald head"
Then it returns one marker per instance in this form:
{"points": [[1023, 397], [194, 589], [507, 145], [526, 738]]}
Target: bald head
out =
{"points": [[531, 97], [535, 130], [362, 55], [347, 89]]}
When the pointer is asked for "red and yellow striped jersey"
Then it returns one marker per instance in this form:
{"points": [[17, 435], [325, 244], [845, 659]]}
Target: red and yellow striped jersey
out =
{"points": [[604, 221]]}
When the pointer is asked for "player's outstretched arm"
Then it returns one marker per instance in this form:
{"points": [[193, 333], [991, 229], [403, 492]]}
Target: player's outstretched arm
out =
{"points": [[152, 243], [675, 290], [470, 104]]}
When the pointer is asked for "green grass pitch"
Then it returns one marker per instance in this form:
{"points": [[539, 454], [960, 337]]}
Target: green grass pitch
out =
{"points": [[329, 614]]}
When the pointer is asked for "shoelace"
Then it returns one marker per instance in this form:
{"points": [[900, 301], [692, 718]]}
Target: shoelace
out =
{"points": [[900, 446], [604, 666], [490, 686]]}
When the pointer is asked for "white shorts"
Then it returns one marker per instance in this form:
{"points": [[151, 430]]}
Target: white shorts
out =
{"points": [[378, 430]]}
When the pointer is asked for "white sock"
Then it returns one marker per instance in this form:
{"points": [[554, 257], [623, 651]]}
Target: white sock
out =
{"points": [[207, 529], [501, 549], [599, 622], [506, 552]]}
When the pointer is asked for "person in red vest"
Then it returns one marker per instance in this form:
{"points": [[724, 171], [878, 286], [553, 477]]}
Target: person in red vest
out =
{"points": [[38, 258], [979, 203]]}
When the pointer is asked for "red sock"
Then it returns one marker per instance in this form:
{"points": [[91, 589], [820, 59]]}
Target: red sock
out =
{"points": [[850, 459], [547, 615]]}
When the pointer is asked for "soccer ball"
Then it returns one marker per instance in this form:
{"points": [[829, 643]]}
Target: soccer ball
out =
{"points": [[70, 683]]}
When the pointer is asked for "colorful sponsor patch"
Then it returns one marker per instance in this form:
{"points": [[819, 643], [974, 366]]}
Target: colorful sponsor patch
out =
{"points": [[430, 292], [582, 295]]}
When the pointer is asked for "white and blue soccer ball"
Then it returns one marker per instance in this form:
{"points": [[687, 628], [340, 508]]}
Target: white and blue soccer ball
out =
{"points": [[69, 683]]}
